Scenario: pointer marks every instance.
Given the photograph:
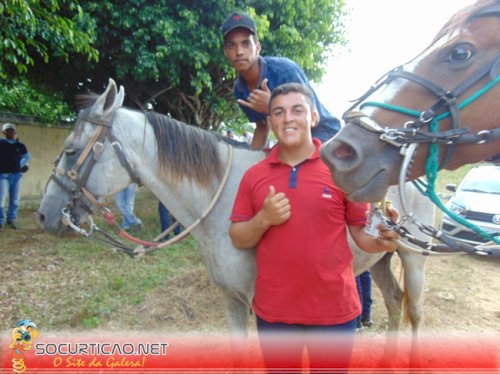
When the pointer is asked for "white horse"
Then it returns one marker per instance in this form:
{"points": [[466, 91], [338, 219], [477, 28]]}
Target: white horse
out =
{"points": [[184, 167]]}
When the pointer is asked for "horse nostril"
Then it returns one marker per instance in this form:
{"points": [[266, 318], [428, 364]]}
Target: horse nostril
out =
{"points": [[40, 218], [344, 151]]}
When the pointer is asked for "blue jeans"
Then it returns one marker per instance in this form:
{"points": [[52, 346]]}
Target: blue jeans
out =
{"points": [[124, 201], [165, 219], [10, 184], [328, 347], [364, 284]]}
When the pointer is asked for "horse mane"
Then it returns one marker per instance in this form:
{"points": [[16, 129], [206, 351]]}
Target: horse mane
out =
{"points": [[464, 15], [183, 150], [186, 151]]}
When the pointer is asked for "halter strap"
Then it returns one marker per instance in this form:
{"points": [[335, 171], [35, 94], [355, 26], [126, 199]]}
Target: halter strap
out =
{"points": [[412, 134], [449, 98]]}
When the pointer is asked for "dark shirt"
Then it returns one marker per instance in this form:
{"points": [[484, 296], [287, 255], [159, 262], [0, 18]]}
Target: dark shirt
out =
{"points": [[11, 155], [279, 70]]}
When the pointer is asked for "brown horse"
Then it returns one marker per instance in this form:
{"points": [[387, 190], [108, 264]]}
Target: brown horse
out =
{"points": [[446, 96]]}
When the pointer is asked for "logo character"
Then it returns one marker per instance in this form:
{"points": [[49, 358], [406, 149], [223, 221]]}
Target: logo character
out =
{"points": [[23, 336]]}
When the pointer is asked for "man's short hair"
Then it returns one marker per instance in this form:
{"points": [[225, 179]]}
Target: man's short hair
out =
{"points": [[287, 88]]}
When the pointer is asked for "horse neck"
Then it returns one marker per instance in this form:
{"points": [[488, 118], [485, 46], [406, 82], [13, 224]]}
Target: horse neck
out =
{"points": [[137, 141], [186, 199]]}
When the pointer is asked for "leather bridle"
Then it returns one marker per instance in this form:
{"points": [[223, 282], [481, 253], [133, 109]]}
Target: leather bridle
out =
{"points": [[413, 131], [73, 181]]}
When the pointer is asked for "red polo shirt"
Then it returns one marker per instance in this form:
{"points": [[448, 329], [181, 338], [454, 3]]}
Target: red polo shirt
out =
{"points": [[304, 266]]}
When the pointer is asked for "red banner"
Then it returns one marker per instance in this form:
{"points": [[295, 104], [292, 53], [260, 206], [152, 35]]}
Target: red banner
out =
{"points": [[135, 352]]}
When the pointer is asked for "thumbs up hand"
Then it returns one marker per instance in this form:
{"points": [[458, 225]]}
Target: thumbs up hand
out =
{"points": [[276, 208], [258, 99]]}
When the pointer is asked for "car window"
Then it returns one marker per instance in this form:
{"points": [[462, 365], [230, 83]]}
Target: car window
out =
{"points": [[483, 182]]}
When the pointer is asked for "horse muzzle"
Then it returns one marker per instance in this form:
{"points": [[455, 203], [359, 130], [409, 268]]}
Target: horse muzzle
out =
{"points": [[355, 169], [61, 224], [55, 228]]}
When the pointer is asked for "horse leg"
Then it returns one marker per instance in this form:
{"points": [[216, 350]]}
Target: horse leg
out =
{"points": [[389, 286], [414, 278], [393, 297], [237, 315]]}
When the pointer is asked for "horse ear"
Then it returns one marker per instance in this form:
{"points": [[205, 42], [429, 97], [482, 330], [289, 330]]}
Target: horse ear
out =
{"points": [[106, 103], [119, 97]]}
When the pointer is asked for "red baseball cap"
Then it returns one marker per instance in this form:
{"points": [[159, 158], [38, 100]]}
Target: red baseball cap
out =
{"points": [[238, 20]]}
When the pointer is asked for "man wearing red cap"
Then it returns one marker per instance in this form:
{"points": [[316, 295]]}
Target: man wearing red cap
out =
{"points": [[258, 76]]}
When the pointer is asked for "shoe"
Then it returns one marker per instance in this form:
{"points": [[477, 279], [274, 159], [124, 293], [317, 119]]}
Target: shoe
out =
{"points": [[367, 322], [12, 225]]}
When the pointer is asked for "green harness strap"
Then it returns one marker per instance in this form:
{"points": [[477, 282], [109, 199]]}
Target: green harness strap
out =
{"points": [[432, 164]]}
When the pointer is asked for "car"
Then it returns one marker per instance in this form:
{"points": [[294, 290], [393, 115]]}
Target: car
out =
{"points": [[477, 199]]}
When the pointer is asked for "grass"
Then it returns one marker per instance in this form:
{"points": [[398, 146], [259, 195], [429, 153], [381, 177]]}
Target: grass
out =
{"points": [[75, 282], [451, 177]]}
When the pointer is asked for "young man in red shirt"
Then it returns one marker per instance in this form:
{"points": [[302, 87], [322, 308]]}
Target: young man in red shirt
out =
{"points": [[289, 209]]}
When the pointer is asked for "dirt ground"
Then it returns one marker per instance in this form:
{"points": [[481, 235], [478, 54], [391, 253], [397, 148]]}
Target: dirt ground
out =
{"points": [[462, 294], [462, 298]]}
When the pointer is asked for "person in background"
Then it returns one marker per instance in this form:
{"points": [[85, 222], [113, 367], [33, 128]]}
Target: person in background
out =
{"points": [[229, 134], [125, 201], [305, 291], [258, 75], [364, 286], [247, 137], [14, 158], [166, 220]]}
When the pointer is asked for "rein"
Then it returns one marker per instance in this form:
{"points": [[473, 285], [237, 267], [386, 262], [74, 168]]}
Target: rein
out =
{"points": [[145, 249], [411, 135], [74, 180]]}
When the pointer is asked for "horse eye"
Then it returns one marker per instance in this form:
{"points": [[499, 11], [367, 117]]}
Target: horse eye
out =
{"points": [[461, 53]]}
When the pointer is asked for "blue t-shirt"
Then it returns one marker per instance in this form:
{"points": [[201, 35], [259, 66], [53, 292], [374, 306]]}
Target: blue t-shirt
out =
{"points": [[279, 70]]}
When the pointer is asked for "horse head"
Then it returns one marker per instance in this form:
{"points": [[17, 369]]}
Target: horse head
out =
{"points": [[447, 96], [79, 171]]}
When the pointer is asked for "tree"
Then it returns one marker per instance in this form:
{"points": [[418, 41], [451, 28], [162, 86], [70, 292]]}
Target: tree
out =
{"points": [[169, 52], [37, 29], [174, 52], [19, 95], [34, 33]]}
